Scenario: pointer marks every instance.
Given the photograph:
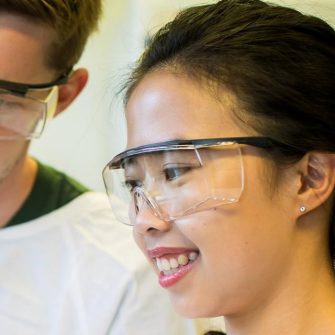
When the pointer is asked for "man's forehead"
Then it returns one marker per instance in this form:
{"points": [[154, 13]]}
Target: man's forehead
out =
{"points": [[25, 25], [24, 49]]}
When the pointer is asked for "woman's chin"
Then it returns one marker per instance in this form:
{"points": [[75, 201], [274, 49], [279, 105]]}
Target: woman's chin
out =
{"points": [[192, 309]]}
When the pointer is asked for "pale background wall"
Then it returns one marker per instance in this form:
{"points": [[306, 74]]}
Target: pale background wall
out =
{"points": [[91, 131]]}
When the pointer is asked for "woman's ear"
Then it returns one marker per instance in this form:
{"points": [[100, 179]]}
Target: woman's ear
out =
{"points": [[317, 180], [69, 91]]}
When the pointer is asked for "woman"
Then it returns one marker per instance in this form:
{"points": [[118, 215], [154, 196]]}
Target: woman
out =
{"points": [[230, 166]]}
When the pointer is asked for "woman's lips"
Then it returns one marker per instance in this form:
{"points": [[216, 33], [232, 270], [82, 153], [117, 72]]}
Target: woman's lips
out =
{"points": [[172, 263]]}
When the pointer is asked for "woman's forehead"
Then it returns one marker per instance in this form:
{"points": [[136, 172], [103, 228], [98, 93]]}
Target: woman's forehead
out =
{"points": [[166, 106]]}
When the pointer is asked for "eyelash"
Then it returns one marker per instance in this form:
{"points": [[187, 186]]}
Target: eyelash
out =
{"points": [[169, 173], [131, 184], [183, 170]]}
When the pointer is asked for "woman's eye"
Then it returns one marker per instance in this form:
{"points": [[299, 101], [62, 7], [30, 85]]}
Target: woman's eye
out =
{"points": [[173, 173], [131, 184]]}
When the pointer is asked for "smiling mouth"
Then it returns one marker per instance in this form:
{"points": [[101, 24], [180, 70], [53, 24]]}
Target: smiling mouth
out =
{"points": [[168, 265]]}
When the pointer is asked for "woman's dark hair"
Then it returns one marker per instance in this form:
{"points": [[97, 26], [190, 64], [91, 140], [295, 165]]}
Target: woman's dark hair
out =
{"points": [[279, 63]]}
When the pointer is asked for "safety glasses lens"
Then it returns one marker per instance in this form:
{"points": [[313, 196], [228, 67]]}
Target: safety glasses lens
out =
{"points": [[177, 183], [25, 116]]}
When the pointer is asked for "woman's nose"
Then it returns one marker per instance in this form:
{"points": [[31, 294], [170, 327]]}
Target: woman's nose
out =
{"points": [[146, 220]]}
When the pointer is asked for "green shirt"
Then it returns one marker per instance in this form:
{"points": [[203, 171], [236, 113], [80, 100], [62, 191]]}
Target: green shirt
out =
{"points": [[52, 190]]}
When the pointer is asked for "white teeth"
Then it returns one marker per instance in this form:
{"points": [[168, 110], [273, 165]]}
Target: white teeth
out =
{"points": [[168, 265], [158, 263], [192, 256], [173, 263], [165, 264]]}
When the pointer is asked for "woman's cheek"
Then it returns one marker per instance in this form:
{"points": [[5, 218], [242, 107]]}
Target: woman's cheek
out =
{"points": [[139, 239]]}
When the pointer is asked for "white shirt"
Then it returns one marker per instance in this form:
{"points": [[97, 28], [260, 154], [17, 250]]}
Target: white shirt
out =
{"points": [[76, 271]]}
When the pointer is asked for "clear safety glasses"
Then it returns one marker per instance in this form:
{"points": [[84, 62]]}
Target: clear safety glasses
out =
{"points": [[178, 178], [24, 108]]}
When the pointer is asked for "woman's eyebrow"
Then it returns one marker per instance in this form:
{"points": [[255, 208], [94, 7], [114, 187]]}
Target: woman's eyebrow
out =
{"points": [[128, 162]]}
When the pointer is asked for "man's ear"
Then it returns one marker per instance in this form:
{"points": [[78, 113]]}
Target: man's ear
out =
{"points": [[317, 180], [69, 91]]}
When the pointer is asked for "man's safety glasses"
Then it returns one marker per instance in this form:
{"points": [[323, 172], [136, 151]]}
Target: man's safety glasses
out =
{"points": [[24, 108], [178, 178]]}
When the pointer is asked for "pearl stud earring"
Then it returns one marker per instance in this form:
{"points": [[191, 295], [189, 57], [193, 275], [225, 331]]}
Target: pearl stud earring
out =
{"points": [[302, 209]]}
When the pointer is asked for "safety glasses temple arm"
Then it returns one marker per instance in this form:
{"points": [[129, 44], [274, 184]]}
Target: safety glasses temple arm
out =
{"points": [[22, 89]]}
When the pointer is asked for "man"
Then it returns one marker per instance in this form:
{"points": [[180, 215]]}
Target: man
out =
{"points": [[65, 266]]}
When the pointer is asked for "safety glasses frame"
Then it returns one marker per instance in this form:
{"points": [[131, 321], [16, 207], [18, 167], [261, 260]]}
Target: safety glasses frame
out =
{"points": [[256, 141], [120, 160], [23, 88]]}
